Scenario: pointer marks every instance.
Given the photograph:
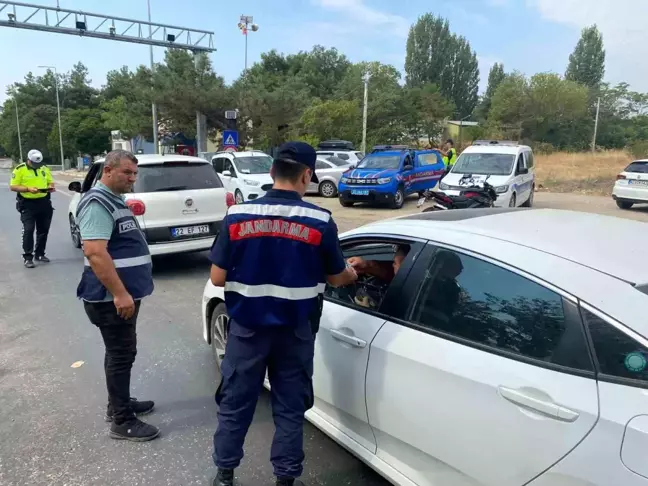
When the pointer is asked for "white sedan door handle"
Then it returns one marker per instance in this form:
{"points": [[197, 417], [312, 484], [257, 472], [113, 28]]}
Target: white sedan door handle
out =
{"points": [[345, 338], [544, 407]]}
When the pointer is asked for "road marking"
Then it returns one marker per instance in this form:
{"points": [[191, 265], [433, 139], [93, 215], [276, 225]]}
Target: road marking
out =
{"points": [[62, 191]]}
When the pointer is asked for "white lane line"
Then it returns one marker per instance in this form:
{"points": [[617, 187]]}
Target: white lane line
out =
{"points": [[62, 191]]}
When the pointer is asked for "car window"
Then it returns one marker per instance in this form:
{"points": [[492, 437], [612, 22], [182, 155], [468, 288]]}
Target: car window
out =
{"points": [[253, 164], [325, 154], [530, 160], [369, 291], [473, 299], [360, 155], [342, 155], [520, 162], [176, 176], [219, 164], [380, 161], [484, 164], [227, 165], [91, 178], [337, 161], [617, 354], [428, 159], [637, 168], [321, 165]]}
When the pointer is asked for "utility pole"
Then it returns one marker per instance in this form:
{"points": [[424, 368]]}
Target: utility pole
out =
{"points": [[598, 109], [153, 107], [18, 126], [246, 23], [363, 149], [58, 110]]}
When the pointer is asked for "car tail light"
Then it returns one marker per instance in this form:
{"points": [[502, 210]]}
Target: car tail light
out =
{"points": [[620, 176], [137, 207], [229, 199]]}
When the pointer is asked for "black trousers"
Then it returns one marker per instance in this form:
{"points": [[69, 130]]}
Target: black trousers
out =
{"points": [[35, 215], [120, 338]]}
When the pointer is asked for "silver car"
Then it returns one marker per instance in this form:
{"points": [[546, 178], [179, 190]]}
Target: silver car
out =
{"points": [[329, 170]]}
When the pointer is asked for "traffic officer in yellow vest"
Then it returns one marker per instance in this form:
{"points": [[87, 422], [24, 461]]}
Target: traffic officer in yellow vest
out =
{"points": [[449, 154], [33, 182]]}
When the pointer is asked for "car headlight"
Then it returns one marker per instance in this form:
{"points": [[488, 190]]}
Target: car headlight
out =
{"points": [[501, 189], [443, 186], [344, 180], [250, 182], [384, 180]]}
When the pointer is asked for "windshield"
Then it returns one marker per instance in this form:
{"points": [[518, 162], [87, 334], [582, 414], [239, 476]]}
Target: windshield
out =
{"points": [[380, 162], [254, 164], [337, 161], [176, 176], [638, 168], [484, 164]]}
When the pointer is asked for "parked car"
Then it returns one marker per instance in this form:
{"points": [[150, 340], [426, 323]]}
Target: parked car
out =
{"points": [[179, 202], [329, 170], [342, 149], [245, 174], [508, 350], [631, 186], [508, 166], [389, 176]]}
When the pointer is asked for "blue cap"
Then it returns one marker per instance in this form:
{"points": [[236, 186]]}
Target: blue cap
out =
{"points": [[299, 153]]}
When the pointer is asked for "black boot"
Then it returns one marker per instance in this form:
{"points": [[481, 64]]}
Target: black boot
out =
{"points": [[29, 263], [139, 408], [225, 477], [289, 482]]}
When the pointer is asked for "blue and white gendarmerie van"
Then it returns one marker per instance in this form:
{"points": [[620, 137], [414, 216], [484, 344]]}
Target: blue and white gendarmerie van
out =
{"points": [[389, 174], [509, 167]]}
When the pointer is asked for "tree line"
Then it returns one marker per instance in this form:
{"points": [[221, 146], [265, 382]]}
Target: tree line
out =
{"points": [[318, 94]]}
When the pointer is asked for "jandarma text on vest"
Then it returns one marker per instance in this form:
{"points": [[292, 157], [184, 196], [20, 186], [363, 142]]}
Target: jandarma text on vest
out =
{"points": [[275, 228]]}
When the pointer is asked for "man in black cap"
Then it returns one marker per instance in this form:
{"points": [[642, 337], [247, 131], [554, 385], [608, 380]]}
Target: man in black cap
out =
{"points": [[273, 256]]}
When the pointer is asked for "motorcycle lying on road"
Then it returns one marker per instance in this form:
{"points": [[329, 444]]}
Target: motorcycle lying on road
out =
{"points": [[473, 195]]}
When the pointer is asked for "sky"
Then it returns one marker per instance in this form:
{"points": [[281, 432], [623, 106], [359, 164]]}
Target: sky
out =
{"points": [[529, 36]]}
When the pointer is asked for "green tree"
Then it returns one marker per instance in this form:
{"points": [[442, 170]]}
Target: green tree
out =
{"points": [[587, 62], [436, 56], [333, 119], [84, 132], [495, 78], [426, 111]]}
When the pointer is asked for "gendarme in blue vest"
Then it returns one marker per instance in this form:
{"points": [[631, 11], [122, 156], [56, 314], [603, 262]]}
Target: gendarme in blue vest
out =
{"points": [[127, 247], [277, 251]]}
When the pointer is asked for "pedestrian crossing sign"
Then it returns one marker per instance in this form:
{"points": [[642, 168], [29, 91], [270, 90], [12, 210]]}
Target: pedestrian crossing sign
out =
{"points": [[230, 138]]}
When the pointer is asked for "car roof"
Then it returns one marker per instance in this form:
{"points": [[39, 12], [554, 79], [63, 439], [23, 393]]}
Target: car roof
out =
{"points": [[150, 159], [610, 245], [496, 149]]}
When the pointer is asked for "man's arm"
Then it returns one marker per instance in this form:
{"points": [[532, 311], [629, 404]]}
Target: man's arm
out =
{"points": [[382, 270], [337, 272], [16, 185], [220, 256]]}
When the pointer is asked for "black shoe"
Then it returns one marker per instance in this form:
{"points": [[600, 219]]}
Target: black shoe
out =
{"points": [[134, 430], [42, 259], [225, 477], [289, 482], [139, 408], [29, 264]]}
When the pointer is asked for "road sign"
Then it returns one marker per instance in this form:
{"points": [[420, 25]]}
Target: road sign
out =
{"points": [[231, 115], [230, 148], [230, 138]]}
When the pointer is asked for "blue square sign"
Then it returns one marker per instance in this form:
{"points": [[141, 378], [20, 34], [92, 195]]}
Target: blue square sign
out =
{"points": [[230, 138]]}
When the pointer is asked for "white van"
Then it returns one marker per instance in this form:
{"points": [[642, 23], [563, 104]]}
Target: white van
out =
{"points": [[508, 166]]}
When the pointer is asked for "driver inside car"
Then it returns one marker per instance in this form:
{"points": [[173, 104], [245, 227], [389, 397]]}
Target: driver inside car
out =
{"points": [[381, 270]]}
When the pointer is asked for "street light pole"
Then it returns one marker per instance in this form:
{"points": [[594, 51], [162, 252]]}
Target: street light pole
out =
{"points": [[18, 126], [246, 24], [363, 149], [58, 109], [153, 106], [598, 109]]}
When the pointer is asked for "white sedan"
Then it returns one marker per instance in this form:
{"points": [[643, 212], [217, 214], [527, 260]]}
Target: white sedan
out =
{"points": [[510, 349], [631, 186]]}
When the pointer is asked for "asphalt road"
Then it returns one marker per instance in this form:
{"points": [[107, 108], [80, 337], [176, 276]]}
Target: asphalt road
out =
{"points": [[51, 415]]}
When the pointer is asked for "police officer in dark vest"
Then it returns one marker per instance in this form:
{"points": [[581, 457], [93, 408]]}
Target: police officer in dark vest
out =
{"points": [[116, 277], [274, 256]]}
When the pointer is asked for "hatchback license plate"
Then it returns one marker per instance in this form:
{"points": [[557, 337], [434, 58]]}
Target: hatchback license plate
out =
{"points": [[202, 229], [360, 192], [638, 183]]}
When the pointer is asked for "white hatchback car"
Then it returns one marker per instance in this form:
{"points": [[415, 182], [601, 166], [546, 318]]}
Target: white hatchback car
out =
{"points": [[508, 166], [631, 186], [244, 174], [510, 349], [350, 156], [179, 202], [329, 171]]}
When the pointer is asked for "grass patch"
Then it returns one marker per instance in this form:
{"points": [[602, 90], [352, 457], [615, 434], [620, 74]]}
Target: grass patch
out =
{"points": [[584, 173]]}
